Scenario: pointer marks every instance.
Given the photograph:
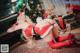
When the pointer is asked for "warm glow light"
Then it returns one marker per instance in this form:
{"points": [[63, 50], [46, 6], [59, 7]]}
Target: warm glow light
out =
{"points": [[13, 0]]}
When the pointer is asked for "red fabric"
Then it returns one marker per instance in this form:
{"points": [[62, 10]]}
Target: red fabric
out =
{"points": [[73, 7], [62, 41], [76, 7], [60, 44], [61, 23], [68, 5], [63, 38], [42, 30], [28, 31]]}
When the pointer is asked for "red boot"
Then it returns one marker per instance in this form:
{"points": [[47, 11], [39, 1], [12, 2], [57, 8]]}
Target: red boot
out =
{"points": [[63, 38], [60, 44]]}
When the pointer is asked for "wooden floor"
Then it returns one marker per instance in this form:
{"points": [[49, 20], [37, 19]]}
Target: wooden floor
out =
{"points": [[24, 49], [21, 47]]}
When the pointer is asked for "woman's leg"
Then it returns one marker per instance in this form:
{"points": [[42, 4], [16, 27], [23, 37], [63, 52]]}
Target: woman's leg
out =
{"points": [[52, 44], [63, 38]]}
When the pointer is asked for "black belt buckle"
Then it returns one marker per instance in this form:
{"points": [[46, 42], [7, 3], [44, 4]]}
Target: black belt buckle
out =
{"points": [[37, 37]]}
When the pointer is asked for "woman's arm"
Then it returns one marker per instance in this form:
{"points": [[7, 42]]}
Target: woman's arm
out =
{"points": [[13, 28]]}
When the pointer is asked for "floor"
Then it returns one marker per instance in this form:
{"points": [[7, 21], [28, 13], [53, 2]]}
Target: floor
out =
{"points": [[21, 47]]}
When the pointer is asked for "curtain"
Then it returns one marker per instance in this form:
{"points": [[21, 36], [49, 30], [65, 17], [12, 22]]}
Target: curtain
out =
{"points": [[58, 4]]}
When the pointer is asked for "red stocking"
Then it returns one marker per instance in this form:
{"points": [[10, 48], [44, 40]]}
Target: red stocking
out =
{"points": [[63, 38], [60, 44]]}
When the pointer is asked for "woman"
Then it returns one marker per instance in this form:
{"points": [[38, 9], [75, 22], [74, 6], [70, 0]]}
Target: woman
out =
{"points": [[26, 27], [42, 29]]}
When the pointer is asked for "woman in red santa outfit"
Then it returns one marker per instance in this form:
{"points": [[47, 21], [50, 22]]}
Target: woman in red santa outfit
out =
{"points": [[23, 24], [44, 28], [47, 30]]}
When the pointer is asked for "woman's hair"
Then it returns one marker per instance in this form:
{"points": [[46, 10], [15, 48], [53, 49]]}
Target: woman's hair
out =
{"points": [[23, 8], [42, 11], [59, 15], [53, 16]]}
